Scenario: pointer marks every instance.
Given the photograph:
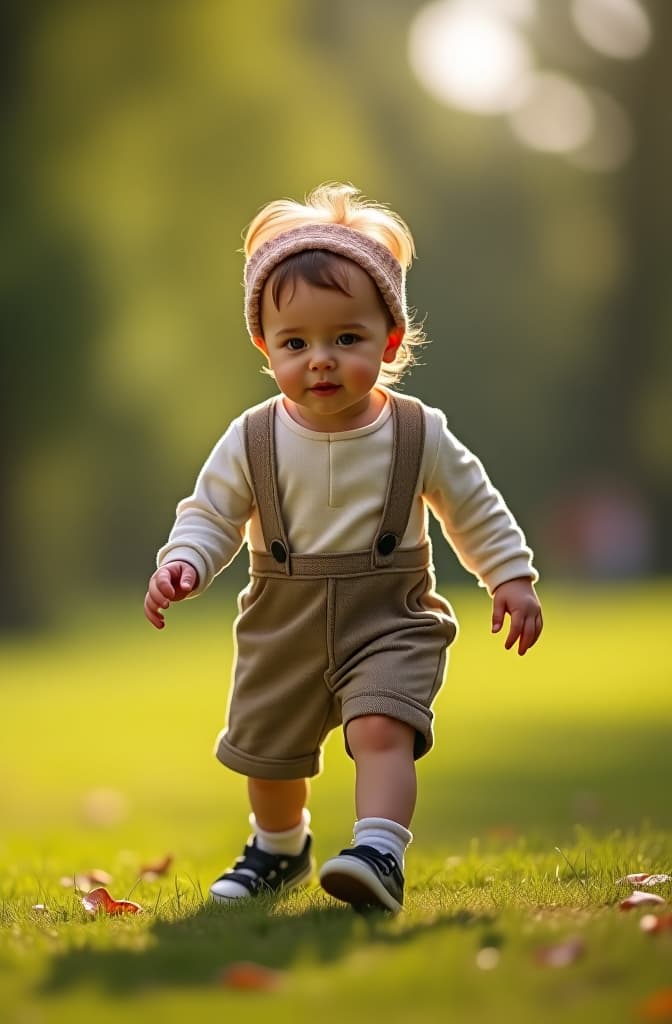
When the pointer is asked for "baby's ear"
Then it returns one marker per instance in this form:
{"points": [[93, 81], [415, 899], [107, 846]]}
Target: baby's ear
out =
{"points": [[394, 340], [260, 344]]}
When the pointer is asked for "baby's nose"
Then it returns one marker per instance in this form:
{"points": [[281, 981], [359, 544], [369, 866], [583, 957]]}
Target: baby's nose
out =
{"points": [[321, 356]]}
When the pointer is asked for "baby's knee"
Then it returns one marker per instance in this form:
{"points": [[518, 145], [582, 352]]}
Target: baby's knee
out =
{"points": [[377, 733]]}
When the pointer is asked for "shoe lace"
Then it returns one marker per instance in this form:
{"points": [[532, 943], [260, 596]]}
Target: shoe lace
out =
{"points": [[257, 861], [385, 862]]}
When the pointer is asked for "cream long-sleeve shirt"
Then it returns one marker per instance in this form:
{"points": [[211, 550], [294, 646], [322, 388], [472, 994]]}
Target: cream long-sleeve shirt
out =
{"points": [[332, 489]]}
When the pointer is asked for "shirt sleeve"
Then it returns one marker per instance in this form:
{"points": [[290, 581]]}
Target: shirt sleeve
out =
{"points": [[473, 515], [209, 528]]}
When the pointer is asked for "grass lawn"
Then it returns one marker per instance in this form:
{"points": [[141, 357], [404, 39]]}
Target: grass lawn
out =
{"points": [[548, 782]]}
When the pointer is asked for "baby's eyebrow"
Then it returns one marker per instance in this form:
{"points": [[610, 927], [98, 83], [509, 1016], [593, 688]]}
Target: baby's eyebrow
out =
{"points": [[336, 327]]}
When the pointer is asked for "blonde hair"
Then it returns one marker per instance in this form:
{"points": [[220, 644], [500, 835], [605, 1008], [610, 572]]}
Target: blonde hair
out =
{"points": [[336, 203]]}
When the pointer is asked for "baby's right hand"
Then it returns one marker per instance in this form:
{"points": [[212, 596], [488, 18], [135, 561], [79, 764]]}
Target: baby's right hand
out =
{"points": [[172, 582]]}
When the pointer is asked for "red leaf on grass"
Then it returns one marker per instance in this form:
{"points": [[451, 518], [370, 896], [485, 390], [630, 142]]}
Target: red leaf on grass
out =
{"points": [[657, 1006], [251, 977], [561, 954], [100, 900], [643, 879], [640, 899], [154, 869]]}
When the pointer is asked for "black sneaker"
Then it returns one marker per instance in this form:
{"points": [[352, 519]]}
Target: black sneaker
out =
{"points": [[364, 877], [258, 871]]}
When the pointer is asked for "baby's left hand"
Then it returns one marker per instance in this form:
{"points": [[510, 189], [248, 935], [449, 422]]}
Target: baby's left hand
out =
{"points": [[518, 598]]}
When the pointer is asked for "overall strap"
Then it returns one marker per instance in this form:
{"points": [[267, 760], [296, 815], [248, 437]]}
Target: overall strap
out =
{"points": [[408, 424], [408, 445], [260, 451]]}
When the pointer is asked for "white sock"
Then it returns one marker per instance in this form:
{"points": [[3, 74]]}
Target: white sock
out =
{"points": [[384, 835], [290, 842]]}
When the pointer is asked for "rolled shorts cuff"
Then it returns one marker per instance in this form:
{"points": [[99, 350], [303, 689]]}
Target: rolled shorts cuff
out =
{"points": [[306, 766], [404, 709]]}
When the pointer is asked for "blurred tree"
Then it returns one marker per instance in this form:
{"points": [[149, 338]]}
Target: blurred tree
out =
{"points": [[633, 382], [144, 137], [47, 309]]}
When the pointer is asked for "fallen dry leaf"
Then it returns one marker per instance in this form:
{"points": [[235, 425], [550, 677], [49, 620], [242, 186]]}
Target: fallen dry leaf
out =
{"points": [[653, 923], [562, 954], [154, 869], [643, 879], [251, 977], [100, 900], [640, 899], [657, 1006]]}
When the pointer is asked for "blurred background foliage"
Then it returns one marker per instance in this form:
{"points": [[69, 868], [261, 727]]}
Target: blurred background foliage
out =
{"points": [[141, 137]]}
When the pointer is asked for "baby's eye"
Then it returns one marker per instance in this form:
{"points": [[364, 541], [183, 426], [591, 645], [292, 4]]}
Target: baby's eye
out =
{"points": [[295, 344], [347, 339]]}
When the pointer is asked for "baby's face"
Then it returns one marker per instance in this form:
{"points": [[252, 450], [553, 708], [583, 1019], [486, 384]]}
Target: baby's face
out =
{"points": [[326, 348]]}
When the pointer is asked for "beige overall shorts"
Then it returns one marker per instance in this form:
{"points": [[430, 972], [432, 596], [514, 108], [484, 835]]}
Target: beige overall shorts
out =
{"points": [[325, 638]]}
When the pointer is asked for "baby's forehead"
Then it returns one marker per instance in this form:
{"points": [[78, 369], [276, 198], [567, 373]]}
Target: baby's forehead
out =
{"points": [[322, 270]]}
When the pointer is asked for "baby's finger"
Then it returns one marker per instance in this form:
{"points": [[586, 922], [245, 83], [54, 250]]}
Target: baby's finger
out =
{"points": [[498, 612], [187, 580], [528, 635], [152, 613], [515, 629], [161, 589]]}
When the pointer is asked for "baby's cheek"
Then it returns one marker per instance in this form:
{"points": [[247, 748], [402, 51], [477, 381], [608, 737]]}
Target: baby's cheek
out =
{"points": [[286, 375], [364, 373]]}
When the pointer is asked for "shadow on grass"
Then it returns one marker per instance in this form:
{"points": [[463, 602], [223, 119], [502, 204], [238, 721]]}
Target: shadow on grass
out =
{"points": [[193, 950]]}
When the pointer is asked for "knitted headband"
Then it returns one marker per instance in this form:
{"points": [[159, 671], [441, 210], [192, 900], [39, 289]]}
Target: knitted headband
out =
{"points": [[370, 255]]}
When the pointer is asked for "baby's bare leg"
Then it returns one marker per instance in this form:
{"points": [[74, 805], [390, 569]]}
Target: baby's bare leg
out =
{"points": [[386, 783], [370, 872], [278, 803]]}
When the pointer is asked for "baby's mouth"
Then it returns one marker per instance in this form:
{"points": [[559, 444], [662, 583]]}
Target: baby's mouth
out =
{"points": [[324, 388]]}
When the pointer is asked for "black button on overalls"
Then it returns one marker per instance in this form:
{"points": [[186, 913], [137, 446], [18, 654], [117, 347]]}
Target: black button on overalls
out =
{"points": [[386, 544], [279, 551]]}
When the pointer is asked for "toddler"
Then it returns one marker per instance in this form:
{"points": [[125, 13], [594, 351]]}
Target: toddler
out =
{"points": [[328, 483]]}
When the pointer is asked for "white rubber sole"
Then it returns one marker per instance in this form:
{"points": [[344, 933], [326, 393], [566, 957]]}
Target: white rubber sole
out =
{"points": [[350, 881], [303, 879]]}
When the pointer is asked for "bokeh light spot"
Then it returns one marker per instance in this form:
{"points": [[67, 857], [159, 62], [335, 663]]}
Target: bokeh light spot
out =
{"points": [[556, 115], [612, 138], [616, 28], [469, 56]]}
